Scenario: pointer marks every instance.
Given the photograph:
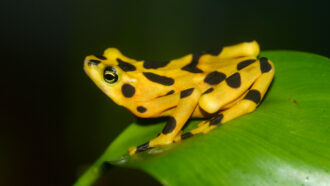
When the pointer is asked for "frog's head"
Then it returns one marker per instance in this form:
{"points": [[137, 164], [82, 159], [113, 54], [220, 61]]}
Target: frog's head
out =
{"points": [[110, 73]]}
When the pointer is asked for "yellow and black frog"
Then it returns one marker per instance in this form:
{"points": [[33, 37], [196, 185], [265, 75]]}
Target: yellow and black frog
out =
{"points": [[218, 86]]}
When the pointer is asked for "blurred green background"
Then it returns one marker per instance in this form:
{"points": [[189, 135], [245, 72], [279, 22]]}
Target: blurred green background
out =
{"points": [[55, 121]]}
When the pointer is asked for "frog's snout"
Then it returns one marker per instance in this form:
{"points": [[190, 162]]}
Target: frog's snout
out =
{"points": [[91, 62]]}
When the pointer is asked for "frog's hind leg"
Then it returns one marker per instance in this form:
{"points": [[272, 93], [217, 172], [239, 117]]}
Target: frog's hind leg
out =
{"points": [[247, 104]]}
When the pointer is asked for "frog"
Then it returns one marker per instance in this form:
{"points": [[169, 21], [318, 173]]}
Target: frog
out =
{"points": [[218, 86]]}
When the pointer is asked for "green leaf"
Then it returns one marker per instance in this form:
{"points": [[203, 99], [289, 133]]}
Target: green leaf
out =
{"points": [[286, 141]]}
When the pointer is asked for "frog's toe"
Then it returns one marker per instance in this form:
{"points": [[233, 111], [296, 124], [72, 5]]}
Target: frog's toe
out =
{"points": [[132, 150], [181, 137], [135, 149], [177, 138]]}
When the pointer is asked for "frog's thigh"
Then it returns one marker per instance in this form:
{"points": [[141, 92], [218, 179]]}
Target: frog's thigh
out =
{"points": [[230, 89], [188, 101], [241, 49], [246, 105]]}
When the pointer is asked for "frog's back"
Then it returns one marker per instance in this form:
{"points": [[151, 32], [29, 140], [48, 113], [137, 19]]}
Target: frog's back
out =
{"points": [[197, 70]]}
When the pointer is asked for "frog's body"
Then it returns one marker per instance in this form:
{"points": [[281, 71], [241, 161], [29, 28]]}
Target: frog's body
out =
{"points": [[219, 86]]}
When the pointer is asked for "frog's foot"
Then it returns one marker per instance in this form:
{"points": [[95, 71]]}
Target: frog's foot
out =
{"points": [[160, 140], [203, 127]]}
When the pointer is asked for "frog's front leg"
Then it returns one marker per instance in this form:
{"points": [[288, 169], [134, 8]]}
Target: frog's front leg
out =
{"points": [[242, 49], [187, 104]]}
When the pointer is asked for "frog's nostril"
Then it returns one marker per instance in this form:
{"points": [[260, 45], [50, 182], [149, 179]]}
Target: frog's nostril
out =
{"points": [[93, 62]]}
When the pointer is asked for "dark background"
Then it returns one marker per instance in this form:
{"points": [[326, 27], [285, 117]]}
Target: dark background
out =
{"points": [[55, 122]]}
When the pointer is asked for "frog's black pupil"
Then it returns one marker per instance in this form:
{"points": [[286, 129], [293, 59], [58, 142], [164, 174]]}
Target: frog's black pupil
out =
{"points": [[109, 77]]}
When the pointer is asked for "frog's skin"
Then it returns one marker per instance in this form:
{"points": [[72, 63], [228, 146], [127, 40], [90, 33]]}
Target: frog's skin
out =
{"points": [[219, 86]]}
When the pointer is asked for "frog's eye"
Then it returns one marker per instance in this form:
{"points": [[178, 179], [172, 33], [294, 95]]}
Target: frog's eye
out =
{"points": [[109, 75]]}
